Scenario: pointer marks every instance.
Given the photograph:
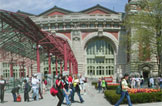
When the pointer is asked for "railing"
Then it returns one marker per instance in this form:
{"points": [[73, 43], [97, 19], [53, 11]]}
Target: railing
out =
{"points": [[76, 18]]}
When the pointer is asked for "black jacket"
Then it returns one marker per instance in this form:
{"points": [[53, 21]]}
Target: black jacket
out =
{"points": [[15, 90]]}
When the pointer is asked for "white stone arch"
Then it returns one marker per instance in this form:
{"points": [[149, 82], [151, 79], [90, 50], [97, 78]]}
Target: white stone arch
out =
{"points": [[105, 34], [65, 37]]}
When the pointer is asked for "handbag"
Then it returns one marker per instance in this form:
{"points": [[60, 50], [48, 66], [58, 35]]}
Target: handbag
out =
{"points": [[53, 91], [18, 99]]}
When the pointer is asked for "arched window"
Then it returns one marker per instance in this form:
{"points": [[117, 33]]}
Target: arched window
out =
{"points": [[100, 57]]}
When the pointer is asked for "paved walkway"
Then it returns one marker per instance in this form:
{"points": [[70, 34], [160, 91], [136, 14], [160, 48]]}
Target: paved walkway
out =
{"points": [[92, 98]]}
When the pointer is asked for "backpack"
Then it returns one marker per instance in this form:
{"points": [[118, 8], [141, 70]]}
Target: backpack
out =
{"points": [[119, 89], [53, 91], [29, 88]]}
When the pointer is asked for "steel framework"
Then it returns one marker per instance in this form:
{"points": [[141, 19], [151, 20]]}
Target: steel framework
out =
{"points": [[19, 35]]}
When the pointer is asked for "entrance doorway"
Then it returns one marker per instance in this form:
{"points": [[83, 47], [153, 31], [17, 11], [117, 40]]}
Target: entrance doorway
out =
{"points": [[100, 57], [145, 74]]}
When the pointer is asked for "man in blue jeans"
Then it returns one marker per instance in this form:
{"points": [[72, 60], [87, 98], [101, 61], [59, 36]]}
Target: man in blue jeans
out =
{"points": [[15, 91], [124, 91]]}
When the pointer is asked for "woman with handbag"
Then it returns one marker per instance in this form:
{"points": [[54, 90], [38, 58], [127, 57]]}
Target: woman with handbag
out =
{"points": [[124, 92], [60, 86]]}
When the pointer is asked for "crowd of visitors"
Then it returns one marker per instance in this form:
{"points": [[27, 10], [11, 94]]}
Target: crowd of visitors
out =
{"points": [[34, 88], [152, 82], [67, 86]]}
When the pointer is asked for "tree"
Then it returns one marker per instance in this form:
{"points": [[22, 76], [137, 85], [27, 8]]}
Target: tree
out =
{"points": [[147, 23]]}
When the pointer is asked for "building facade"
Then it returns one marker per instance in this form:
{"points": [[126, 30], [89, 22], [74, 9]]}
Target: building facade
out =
{"points": [[148, 67], [95, 35]]}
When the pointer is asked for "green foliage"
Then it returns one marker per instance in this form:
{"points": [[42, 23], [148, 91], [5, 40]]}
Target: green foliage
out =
{"points": [[109, 87], [146, 27], [112, 87], [94, 83], [112, 97]]}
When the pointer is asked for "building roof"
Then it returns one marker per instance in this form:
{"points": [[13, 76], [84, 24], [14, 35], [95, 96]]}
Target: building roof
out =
{"points": [[25, 13], [98, 7], [55, 8], [86, 11]]}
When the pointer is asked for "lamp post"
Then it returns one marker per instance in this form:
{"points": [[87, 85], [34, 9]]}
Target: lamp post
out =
{"points": [[49, 62], [11, 71]]}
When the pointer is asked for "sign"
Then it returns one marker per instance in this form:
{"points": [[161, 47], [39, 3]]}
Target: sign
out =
{"points": [[108, 79]]}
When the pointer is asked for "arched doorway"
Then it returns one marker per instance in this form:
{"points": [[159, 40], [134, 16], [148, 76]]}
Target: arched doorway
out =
{"points": [[100, 57]]}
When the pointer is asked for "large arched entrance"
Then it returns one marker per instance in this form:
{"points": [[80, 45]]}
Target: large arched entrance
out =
{"points": [[100, 57]]}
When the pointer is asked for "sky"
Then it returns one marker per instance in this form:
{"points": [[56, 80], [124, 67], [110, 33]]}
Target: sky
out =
{"points": [[38, 6]]}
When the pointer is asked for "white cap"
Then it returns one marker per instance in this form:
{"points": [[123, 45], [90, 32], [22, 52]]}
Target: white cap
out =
{"points": [[35, 75]]}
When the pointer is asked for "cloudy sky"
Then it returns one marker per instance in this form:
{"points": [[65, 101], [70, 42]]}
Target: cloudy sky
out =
{"points": [[39, 6]]}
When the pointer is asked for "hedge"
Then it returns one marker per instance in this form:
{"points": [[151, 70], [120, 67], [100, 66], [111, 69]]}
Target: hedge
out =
{"points": [[112, 97], [109, 87]]}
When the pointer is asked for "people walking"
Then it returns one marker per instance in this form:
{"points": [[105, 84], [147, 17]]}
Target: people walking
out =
{"points": [[66, 90], [60, 86], [77, 88], [151, 80], [160, 80], [103, 83], [70, 81], [99, 85], [142, 81], [15, 92], [40, 89], [138, 82], [26, 91], [81, 81], [133, 82], [124, 92], [35, 87], [2, 88]]}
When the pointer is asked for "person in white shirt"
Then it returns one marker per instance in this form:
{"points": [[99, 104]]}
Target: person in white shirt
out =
{"points": [[151, 82], [138, 82], [82, 79], [133, 82], [35, 87]]}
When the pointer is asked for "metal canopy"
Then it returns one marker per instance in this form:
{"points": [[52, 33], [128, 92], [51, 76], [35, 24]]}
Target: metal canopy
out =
{"points": [[19, 35]]}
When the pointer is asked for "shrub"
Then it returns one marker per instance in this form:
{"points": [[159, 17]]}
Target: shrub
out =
{"points": [[94, 83], [112, 87], [112, 97], [109, 86]]}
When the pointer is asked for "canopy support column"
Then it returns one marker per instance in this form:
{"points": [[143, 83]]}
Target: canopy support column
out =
{"points": [[69, 66], [23, 69], [28, 70], [38, 59], [31, 70], [11, 69], [49, 63], [65, 57], [56, 65], [61, 67]]}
